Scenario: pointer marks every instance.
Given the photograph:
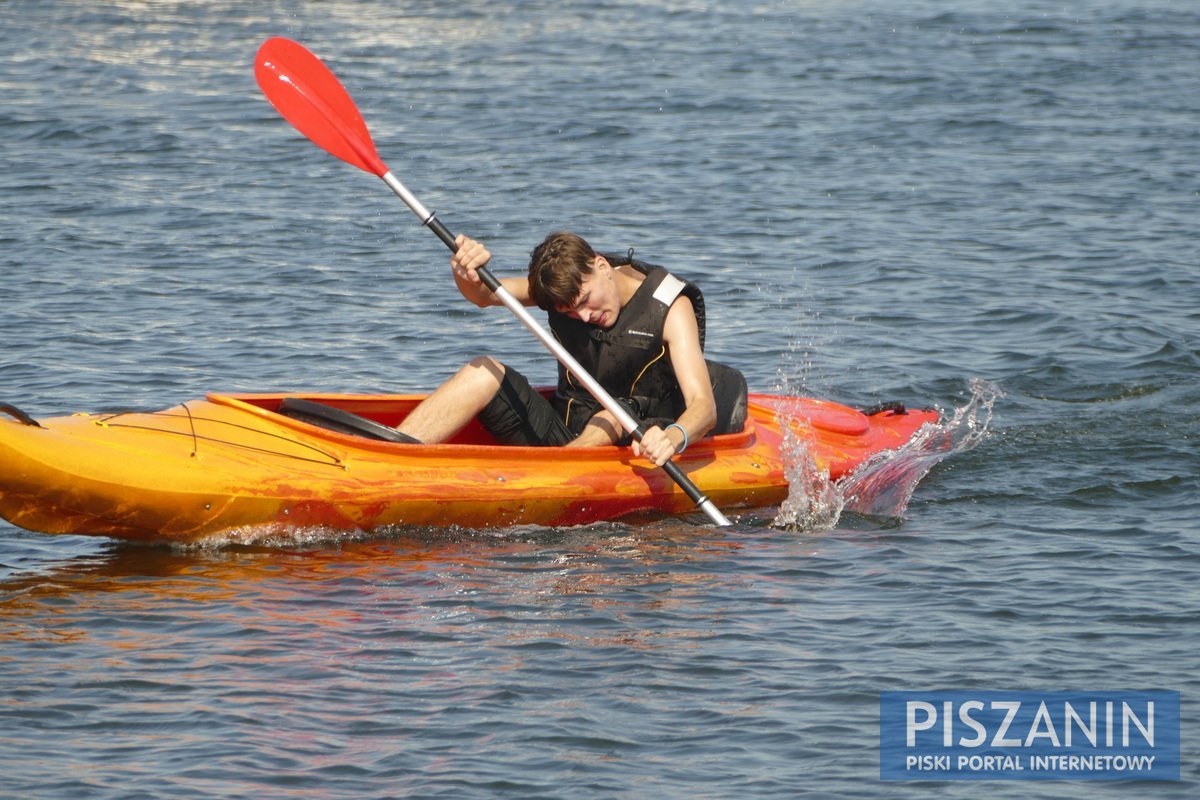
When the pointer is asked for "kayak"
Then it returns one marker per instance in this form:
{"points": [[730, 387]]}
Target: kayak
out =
{"points": [[233, 466]]}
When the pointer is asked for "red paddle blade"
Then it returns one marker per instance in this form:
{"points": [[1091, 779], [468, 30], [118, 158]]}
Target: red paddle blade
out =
{"points": [[310, 97]]}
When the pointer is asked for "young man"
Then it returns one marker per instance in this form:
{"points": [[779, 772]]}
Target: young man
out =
{"points": [[635, 329]]}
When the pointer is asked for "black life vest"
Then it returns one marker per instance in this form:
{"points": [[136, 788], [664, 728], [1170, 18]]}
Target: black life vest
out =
{"points": [[629, 359]]}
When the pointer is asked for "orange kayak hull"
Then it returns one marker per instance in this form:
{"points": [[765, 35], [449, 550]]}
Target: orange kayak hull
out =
{"points": [[229, 464]]}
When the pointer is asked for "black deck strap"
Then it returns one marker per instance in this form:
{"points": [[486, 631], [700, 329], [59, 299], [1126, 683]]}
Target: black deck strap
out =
{"points": [[19, 415], [895, 407], [335, 419]]}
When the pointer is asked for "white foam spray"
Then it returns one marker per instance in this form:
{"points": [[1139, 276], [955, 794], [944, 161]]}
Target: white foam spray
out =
{"points": [[884, 484]]}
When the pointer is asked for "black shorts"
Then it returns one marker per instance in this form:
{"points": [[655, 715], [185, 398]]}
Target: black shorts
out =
{"points": [[521, 416]]}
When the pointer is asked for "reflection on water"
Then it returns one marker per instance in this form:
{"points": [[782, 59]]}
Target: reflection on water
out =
{"points": [[414, 577], [368, 660]]}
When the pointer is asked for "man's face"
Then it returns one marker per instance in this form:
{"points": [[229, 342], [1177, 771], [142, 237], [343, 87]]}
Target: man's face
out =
{"points": [[598, 302]]}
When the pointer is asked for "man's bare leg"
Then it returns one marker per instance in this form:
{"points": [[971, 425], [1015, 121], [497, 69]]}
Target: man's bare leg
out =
{"points": [[455, 403]]}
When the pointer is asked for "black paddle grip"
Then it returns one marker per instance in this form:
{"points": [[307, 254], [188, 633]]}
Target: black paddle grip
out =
{"points": [[685, 483], [672, 469], [434, 224]]}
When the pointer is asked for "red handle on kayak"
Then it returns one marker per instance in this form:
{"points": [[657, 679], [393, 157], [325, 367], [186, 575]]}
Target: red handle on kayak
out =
{"points": [[309, 96]]}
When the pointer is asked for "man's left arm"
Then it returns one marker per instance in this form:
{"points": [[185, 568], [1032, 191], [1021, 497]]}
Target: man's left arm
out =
{"points": [[681, 335]]}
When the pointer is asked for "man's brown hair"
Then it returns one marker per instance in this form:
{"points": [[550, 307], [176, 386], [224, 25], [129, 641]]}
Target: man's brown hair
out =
{"points": [[557, 269]]}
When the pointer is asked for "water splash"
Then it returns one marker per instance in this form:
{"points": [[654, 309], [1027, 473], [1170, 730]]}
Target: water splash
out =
{"points": [[813, 501], [883, 485]]}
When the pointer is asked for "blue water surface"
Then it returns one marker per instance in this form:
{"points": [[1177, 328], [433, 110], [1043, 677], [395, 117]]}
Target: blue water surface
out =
{"points": [[934, 202]]}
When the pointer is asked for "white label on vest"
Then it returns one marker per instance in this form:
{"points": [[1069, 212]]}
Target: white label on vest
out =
{"points": [[668, 290]]}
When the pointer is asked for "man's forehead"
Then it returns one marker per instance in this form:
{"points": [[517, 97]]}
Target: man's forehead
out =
{"points": [[580, 298]]}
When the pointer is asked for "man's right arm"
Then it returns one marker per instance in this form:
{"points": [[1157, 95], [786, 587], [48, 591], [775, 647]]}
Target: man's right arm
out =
{"points": [[465, 263]]}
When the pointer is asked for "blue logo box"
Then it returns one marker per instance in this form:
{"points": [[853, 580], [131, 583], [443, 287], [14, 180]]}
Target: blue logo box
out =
{"points": [[1010, 735]]}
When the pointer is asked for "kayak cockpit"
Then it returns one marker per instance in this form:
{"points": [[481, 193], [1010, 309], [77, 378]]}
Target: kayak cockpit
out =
{"points": [[382, 413], [368, 416]]}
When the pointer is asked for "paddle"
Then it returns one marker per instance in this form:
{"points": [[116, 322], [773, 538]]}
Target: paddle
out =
{"points": [[309, 96]]}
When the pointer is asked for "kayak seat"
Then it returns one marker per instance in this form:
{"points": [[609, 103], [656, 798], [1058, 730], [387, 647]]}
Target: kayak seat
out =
{"points": [[729, 392], [335, 419]]}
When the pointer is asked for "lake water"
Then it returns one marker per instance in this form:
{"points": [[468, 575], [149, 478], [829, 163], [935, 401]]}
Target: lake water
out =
{"points": [[987, 207]]}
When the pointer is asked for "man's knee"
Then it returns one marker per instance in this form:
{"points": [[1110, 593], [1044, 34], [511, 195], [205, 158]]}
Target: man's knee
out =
{"points": [[476, 383], [486, 362], [483, 371]]}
